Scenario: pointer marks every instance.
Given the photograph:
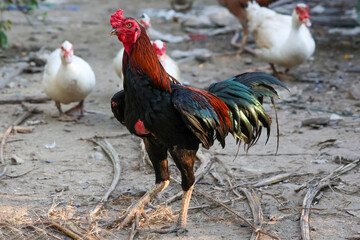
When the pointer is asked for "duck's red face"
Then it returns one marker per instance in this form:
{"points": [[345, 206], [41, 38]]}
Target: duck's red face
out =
{"points": [[126, 29], [160, 47], [67, 52], [303, 11], [145, 20]]}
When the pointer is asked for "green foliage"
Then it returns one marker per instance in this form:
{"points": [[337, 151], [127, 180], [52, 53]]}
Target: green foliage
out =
{"points": [[4, 25], [24, 6]]}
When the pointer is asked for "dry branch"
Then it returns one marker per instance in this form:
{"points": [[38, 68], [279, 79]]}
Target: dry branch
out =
{"points": [[114, 156], [313, 191], [21, 129], [273, 179], [43, 231], [64, 230], [256, 210], [30, 99], [20, 175]]}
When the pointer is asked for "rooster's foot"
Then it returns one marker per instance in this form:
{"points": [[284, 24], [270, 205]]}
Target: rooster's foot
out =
{"points": [[137, 209], [134, 213]]}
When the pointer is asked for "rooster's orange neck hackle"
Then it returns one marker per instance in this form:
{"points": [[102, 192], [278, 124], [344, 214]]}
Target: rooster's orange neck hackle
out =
{"points": [[139, 52]]}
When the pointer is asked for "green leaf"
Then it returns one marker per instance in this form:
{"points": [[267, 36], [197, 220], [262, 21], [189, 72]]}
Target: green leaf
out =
{"points": [[3, 40], [44, 16], [8, 24]]}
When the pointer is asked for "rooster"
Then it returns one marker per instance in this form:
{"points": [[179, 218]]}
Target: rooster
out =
{"points": [[238, 9], [170, 117]]}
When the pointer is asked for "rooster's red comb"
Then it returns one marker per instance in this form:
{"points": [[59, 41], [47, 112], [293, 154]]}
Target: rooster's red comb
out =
{"points": [[117, 18]]}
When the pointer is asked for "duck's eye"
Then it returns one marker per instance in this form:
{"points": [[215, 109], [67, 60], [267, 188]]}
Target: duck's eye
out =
{"points": [[129, 25]]}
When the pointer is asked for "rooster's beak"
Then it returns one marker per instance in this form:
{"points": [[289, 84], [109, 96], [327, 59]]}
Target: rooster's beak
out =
{"points": [[114, 31]]}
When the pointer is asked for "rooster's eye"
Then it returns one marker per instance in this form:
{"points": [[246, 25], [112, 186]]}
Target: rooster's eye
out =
{"points": [[129, 25]]}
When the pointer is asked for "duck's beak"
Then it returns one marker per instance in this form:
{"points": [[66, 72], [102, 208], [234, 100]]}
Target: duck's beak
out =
{"points": [[114, 31], [307, 22]]}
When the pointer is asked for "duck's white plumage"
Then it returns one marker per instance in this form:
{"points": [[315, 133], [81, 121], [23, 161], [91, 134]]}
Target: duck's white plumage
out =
{"points": [[65, 81], [170, 66], [117, 62], [280, 39]]}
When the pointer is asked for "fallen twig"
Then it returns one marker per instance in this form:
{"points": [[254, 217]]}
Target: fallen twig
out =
{"points": [[270, 180], [273, 179], [30, 99], [217, 177], [256, 155], [313, 191], [20, 175], [233, 189], [114, 156], [133, 231], [43, 231], [64, 230], [21, 129], [236, 214], [18, 234], [256, 210], [99, 137], [24, 116]]}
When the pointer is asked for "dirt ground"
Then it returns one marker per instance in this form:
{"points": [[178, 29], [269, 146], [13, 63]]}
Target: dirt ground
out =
{"points": [[63, 176]]}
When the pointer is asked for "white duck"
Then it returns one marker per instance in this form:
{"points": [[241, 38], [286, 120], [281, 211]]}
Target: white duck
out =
{"points": [[170, 66], [117, 63], [281, 39], [68, 78]]}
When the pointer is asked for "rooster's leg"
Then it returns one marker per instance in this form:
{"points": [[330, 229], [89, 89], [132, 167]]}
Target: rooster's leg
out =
{"points": [[63, 116], [184, 160], [76, 111], [184, 207], [158, 156]]}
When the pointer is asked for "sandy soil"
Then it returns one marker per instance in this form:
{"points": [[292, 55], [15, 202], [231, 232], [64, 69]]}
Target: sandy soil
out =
{"points": [[68, 175]]}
